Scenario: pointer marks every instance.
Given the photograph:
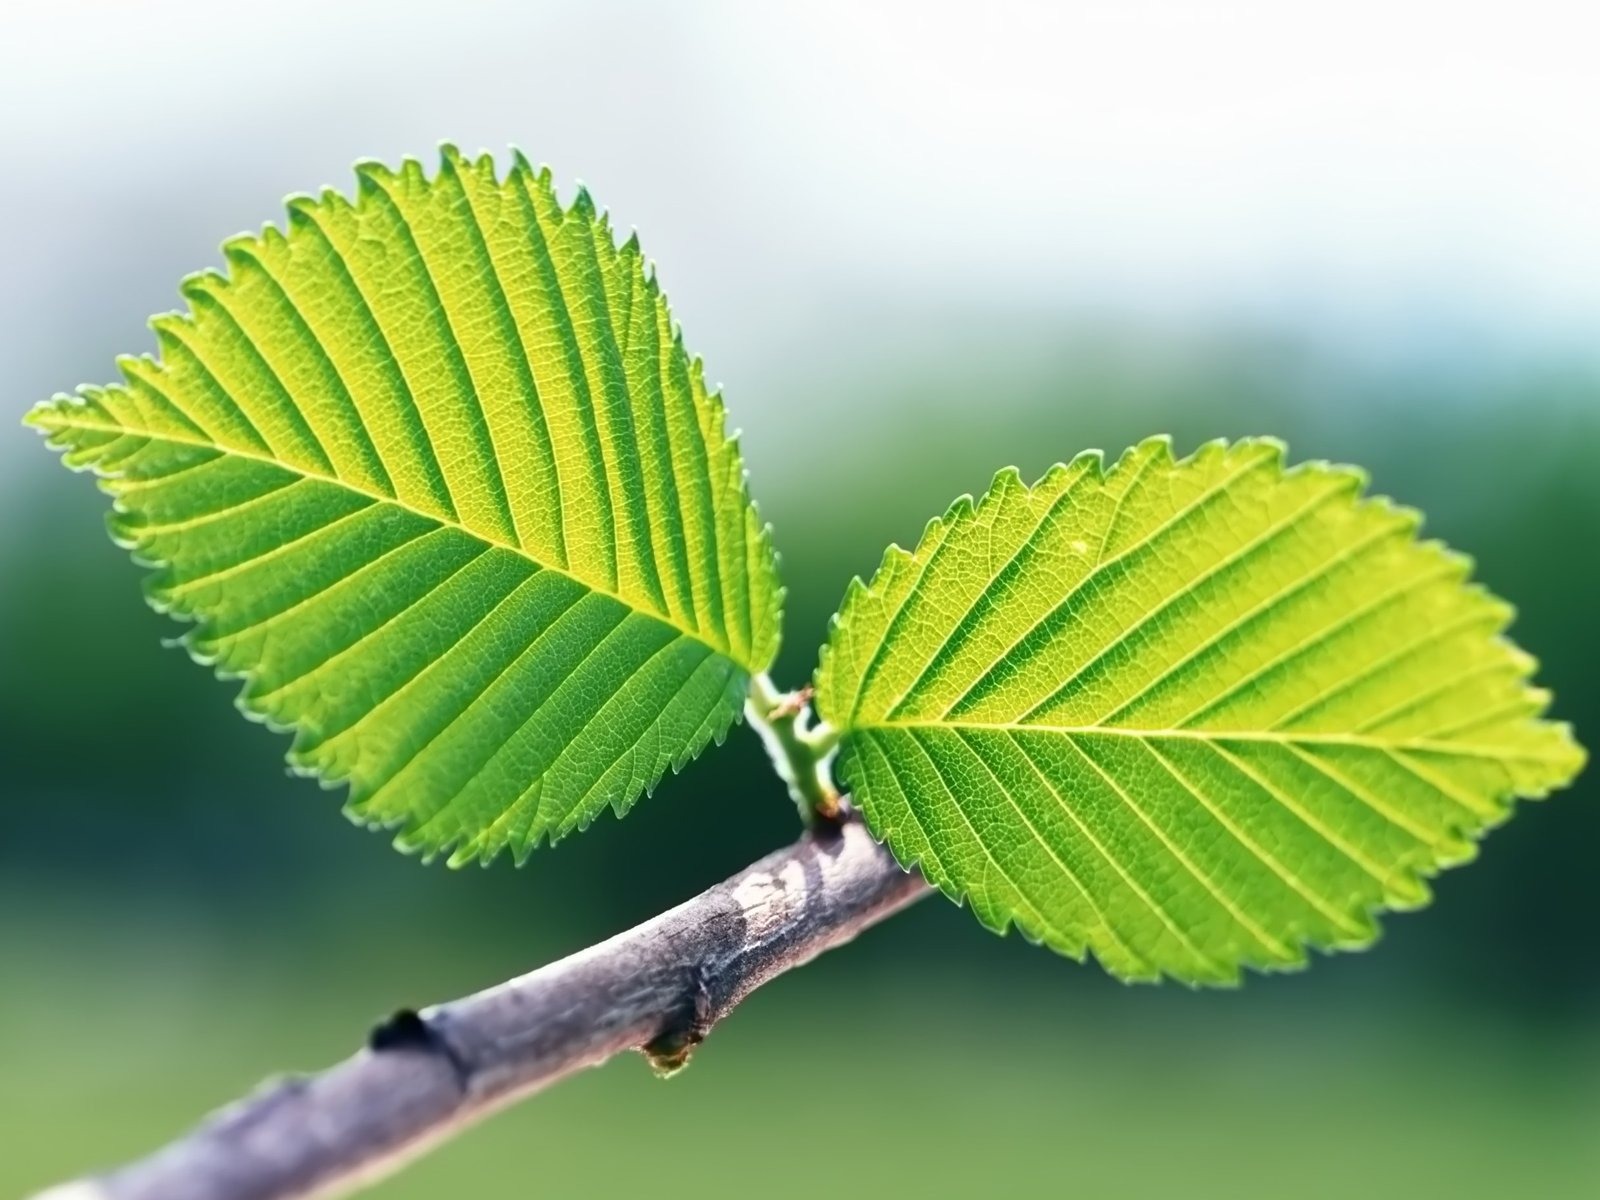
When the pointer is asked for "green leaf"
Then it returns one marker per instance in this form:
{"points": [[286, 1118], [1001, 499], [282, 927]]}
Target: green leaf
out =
{"points": [[1189, 716], [434, 475]]}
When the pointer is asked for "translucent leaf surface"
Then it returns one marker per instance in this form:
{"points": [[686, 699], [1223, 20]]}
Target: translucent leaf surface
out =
{"points": [[1189, 716], [433, 473]]}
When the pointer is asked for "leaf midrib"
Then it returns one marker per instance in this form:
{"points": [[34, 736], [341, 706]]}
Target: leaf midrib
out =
{"points": [[54, 419], [1273, 737]]}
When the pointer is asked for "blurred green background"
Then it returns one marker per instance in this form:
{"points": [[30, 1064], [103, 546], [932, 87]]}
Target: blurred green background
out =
{"points": [[917, 244]]}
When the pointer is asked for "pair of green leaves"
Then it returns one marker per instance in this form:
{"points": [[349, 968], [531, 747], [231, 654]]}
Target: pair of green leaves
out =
{"points": [[434, 475]]}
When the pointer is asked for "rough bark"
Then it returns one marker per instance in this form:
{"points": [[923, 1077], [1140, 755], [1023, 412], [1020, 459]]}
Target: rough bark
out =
{"points": [[659, 987]]}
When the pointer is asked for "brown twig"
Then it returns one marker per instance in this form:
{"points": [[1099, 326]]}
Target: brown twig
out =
{"points": [[659, 987]]}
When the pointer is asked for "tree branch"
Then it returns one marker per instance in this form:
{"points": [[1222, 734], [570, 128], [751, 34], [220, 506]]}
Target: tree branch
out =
{"points": [[659, 987]]}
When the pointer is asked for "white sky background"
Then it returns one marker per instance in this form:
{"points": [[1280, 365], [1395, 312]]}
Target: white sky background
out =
{"points": [[833, 173]]}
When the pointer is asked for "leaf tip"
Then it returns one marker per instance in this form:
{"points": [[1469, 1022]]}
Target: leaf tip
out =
{"points": [[1572, 755], [46, 415]]}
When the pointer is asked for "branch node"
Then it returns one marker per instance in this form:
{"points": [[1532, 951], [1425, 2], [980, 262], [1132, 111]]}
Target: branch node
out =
{"points": [[832, 818], [670, 1050], [406, 1029]]}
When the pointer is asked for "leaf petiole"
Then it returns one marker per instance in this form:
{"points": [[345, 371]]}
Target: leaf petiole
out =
{"points": [[801, 753]]}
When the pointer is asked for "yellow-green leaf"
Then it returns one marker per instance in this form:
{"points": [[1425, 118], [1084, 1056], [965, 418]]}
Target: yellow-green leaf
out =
{"points": [[1185, 715], [432, 472]]}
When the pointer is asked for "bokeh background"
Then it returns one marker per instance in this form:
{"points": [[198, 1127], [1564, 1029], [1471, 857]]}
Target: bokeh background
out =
{"points": [[916, 243]]}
